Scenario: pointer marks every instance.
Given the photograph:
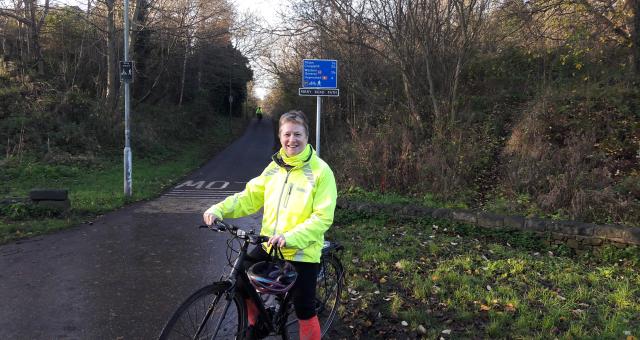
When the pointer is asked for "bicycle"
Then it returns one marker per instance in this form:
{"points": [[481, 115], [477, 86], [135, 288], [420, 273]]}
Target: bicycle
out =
{"points": [[218, 311]]}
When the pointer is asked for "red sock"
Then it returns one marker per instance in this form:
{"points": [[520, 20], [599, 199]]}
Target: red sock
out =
{"points": [[252, 312], [309, 329]]}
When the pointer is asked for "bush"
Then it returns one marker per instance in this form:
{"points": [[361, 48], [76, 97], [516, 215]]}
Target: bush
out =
{"points": [[23, 211], [575, 152]]}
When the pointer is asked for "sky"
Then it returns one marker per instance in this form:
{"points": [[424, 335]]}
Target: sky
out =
{"points": [[266, 9]]}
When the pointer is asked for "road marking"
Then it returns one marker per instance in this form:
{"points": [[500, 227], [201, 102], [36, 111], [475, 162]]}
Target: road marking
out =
{"points": [[188, 194], [203, 189], [230, 192]]}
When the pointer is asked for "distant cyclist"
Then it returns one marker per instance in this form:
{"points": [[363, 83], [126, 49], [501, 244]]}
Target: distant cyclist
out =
{"points": [[298, 193], [259, 113]]}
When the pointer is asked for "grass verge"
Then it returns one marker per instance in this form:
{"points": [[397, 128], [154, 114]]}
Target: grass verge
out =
{"points": [[96, 187], [413, 278]]}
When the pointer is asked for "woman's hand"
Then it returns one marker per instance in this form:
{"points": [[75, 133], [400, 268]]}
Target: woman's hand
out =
{"points": [[277, 240], [209, 218]]}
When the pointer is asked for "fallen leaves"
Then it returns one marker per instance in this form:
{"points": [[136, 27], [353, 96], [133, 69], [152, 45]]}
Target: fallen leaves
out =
{"points": [[578, 312]]}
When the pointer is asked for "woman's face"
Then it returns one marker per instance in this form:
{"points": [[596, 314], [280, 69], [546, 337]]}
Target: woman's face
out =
{"points": [[293, 138]]}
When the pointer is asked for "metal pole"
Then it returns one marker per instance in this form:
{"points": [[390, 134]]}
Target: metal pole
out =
{"points": [[127, 131], [230, 104], [318, 108]]}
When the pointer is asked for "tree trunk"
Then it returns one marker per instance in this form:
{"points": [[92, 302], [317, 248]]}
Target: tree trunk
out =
{"points": [[413, 108], [184, 70], [33, 26], [140, 36], [112, 73], [635, 37]]}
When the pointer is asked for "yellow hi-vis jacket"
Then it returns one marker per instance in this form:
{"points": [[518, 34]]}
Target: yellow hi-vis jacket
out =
{"points": [[299, 202]]}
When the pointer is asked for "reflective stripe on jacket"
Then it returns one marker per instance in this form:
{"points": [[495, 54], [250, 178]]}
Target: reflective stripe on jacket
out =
{"points": [[299, 202]]}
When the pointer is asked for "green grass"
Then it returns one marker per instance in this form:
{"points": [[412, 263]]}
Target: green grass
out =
{"points": [[480, 283], [95, 187]]}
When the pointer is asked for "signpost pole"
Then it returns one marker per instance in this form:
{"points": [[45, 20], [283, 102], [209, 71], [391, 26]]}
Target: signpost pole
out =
{"points": [[127, 104], [319, 78], [318, 109]]}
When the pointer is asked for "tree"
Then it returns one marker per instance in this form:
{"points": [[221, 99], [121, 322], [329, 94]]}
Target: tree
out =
{"points": [[29, 16]]}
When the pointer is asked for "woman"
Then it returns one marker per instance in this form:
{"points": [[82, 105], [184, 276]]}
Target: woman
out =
{"points": [[298, 193]]}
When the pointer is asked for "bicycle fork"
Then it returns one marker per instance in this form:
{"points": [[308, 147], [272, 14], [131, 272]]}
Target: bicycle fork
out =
{"points": [[229, 294], [229, 298]]}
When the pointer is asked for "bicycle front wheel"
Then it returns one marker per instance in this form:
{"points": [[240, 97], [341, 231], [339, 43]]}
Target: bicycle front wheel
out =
{"points": [[210, 313]]}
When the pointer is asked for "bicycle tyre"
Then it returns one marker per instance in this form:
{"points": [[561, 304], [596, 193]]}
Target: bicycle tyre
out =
{"points": [[204, 308], [328, 291], [329, 287]]}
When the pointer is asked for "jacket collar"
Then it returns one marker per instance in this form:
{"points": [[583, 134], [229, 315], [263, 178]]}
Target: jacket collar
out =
{"points": [[278, 159]]}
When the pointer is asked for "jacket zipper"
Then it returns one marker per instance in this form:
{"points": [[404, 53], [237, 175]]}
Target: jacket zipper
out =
{"points": [[286, 199], [286, 179]]}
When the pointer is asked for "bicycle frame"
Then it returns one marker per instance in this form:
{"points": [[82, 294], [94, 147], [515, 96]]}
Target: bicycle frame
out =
{"points": [[231, 279]]}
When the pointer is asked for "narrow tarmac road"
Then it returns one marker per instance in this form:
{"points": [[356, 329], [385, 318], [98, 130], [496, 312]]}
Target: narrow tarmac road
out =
{"points": [[122, 276]]}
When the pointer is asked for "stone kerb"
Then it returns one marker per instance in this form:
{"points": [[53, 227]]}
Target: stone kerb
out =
{"points": [[574, 234]]}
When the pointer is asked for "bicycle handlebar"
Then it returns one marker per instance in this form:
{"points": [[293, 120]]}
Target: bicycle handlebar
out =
{"points": [[220, 226]]}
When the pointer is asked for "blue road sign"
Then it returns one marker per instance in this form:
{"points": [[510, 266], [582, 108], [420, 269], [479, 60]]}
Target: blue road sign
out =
{"points": [[320, 73]]}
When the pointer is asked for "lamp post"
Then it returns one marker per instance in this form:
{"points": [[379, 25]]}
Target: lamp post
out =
{"points": [[127, 104]]}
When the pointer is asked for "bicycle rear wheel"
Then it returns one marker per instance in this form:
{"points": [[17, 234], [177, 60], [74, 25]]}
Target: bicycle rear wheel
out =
{"points": [[328, 290], [199, 315]]}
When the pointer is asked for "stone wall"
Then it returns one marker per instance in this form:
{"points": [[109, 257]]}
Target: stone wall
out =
{"points": [[576, 235]]}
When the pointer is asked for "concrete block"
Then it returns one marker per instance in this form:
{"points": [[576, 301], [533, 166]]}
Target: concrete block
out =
{"points": [[632, 235], [584, 229], [535, 224], [424, 211], [573, 243], [61, 206], [464, 216], [48, 194], [610, 231], [514, 222], [442, 213], [594, 241], [490, 220]]}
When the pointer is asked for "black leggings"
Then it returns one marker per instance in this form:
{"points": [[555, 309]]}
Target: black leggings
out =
{"points": [[303, 291]]}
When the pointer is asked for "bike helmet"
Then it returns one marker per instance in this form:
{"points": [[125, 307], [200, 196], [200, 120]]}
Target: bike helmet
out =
{"points": [[272, 277]]}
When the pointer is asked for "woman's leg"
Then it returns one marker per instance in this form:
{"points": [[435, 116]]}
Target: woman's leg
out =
{"points": [[257, 254], [304, 300]]}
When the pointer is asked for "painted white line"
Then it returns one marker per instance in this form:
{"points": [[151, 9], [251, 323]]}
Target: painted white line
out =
{"points": [[204, 190], [195, 197], [196, 194]]}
